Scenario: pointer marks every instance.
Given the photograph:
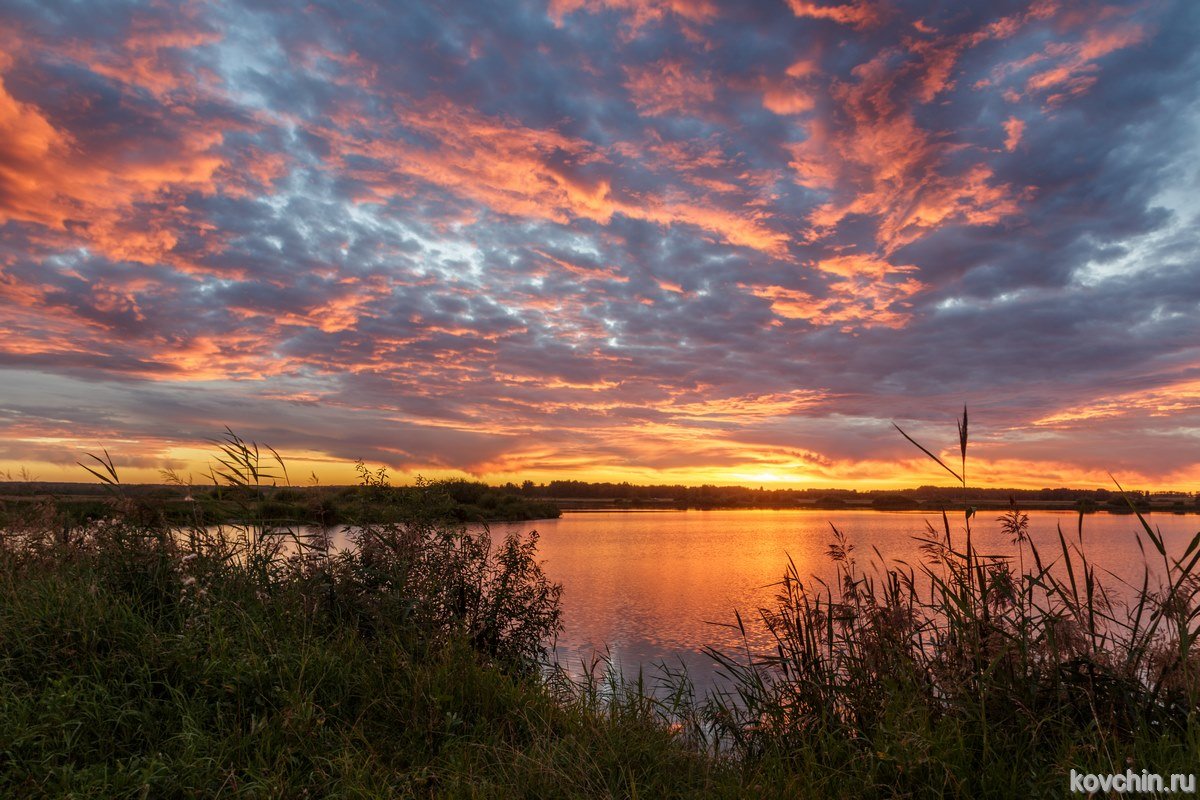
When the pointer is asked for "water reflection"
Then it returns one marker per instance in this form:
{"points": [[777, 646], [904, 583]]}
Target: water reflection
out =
{"points": [[649, 587]]}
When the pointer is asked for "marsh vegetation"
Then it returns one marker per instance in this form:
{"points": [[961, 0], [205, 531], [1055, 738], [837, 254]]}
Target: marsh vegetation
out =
{"points": [[144, 657]]}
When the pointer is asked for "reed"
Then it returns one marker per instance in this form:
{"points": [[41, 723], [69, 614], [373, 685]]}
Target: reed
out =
{"points": [[967, 669]]}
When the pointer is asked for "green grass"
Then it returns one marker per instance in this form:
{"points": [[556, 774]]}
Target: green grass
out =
{"points": [[122, 682], [141, 659]]}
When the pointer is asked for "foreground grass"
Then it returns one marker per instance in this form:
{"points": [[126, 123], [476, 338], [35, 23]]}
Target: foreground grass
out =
{"points": [[104, 693], [116, 680]]}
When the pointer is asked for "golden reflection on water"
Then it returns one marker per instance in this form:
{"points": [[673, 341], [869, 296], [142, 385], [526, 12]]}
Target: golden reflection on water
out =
{"points": [[657, 586], [646, 585]]}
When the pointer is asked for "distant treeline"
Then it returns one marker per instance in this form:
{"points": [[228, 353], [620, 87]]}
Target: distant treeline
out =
{"points": [[461, 500], [710, 496], [478, 501]]}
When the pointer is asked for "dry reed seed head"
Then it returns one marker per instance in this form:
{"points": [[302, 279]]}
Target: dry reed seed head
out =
{"points": [[1015, 524], [1177, 604]]}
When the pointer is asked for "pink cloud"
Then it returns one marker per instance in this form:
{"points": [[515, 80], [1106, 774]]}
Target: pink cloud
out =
{"points": [[1014, 129], [858, 15], [874, 158], [669, 87], [535, 173], [864, 292], [638, 13]]}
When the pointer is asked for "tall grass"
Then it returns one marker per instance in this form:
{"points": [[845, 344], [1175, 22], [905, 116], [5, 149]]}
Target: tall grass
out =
{"points": [[972, 672], [139, 657]]}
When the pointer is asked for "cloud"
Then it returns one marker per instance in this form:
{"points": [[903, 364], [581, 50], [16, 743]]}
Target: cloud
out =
{"points": [[1014, 129], [675, 240], [865, 292], [668, 87], [638, 13], [861, 14], [878, 160]]}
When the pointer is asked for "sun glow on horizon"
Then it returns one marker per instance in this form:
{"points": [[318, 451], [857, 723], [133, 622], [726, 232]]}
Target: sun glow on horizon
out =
{"points": [[195, 465]]}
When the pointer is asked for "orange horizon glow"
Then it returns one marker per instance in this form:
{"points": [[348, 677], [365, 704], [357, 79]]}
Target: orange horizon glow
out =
{"points": [[193, 465]]}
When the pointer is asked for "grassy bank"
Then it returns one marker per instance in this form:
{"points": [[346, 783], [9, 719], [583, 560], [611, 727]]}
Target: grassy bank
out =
{"points": [[139, 658], [80, 503], [122, 686]]}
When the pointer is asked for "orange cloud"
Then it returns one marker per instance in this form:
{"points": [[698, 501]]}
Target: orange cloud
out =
{"points": [[668, 87], [877, 161], [858, 15], [637, 12], [785, 100], [341, 312], [867, 292], [1075, 72], [810, 159], [1014, 129], [699, 162], [746, 407], [744, 229], [147, 57], [533, 173], [28, 144], [1162, 401], [1066, 68], [792, 93], [890, 167], [588, 273], [113, 198], [935, 69], [507, 167]]}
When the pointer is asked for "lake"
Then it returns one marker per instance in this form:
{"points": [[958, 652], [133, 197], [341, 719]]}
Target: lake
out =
{"points": [[648, 585]]}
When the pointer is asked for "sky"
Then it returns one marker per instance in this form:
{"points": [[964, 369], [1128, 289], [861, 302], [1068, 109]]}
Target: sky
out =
{"points": [[673, 241]]}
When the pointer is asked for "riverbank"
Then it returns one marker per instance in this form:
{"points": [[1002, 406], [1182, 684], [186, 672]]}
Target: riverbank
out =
{"points": [[114, 689], [1120, 507], [461, 501], [479, 502]]}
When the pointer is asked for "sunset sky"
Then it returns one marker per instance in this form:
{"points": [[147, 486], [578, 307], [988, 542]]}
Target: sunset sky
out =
{"points": [[681, 241]]}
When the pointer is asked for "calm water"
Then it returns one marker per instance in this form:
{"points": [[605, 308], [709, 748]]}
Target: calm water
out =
{"points": [[647, 585]]}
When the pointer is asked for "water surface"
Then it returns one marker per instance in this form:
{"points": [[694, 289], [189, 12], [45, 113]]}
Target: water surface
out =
{"points": [[647, 585]]}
